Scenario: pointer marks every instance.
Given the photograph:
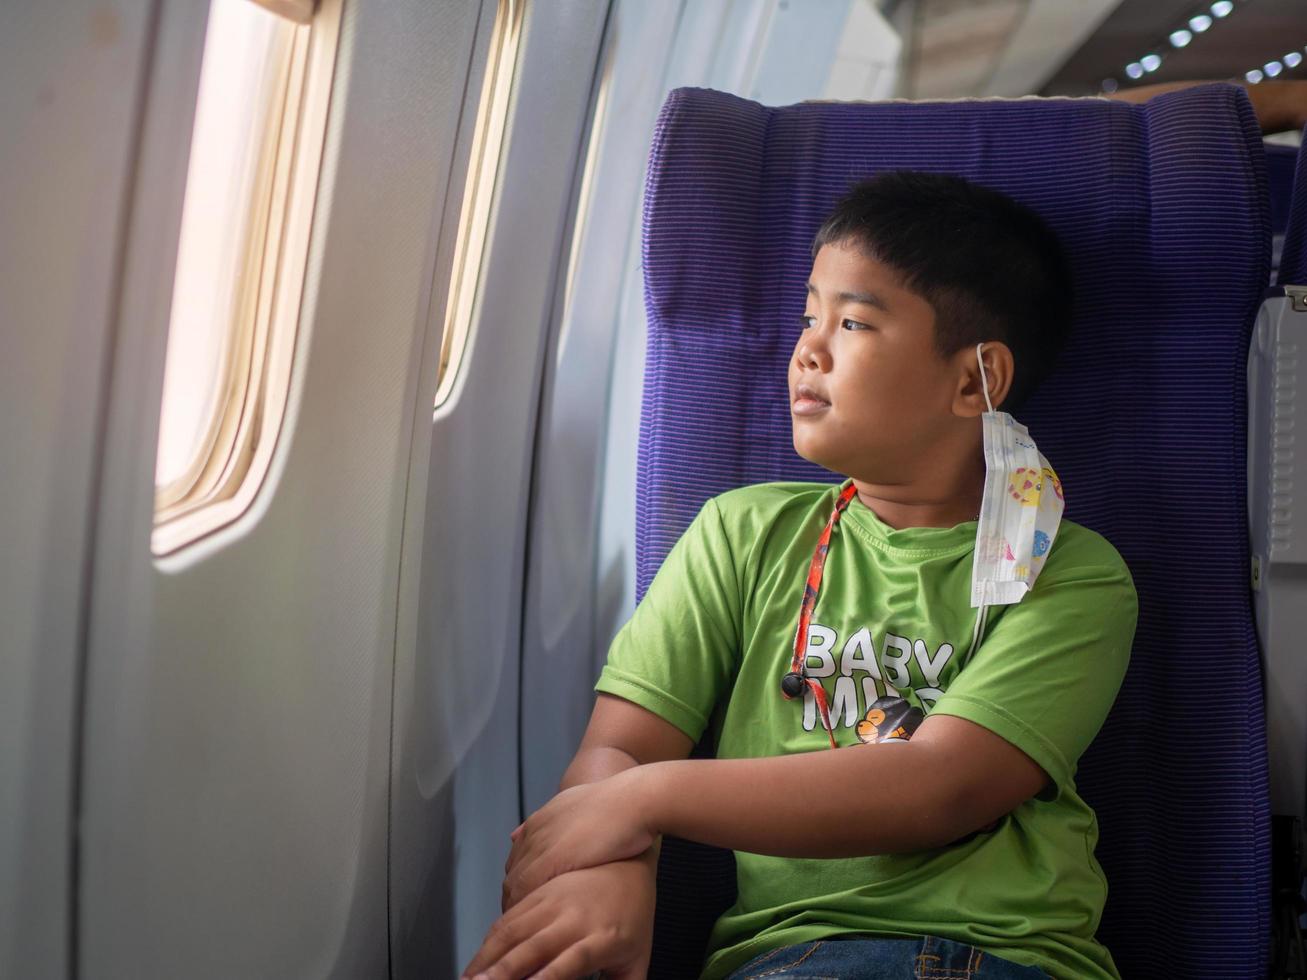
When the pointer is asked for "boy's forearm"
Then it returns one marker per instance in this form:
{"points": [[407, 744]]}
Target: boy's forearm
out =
{"points": [[861, 800], [621, 735], [592, 764], [597, 762]]}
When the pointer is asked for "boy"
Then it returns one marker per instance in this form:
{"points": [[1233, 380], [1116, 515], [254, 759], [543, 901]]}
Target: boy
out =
{"points": [[963, 848]]}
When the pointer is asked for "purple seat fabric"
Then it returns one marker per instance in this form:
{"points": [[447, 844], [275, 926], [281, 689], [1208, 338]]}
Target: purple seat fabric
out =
{"points": [[1163, 210], [1293, 255], [1281, 162]]}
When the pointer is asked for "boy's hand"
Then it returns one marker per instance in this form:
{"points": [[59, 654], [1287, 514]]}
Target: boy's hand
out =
{"points": [[593, 919], [581, 827]]}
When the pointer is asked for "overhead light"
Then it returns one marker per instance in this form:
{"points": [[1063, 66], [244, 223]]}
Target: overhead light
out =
{"points": [[1293, 59], [1134, 70], [1180, 38], [1273, 68], [1254, 76], [1222, 7], [1151, 62], [1200, 23]]}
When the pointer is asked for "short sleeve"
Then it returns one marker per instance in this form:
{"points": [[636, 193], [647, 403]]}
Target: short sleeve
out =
{"points": [[1048, 670], [677, 654]]}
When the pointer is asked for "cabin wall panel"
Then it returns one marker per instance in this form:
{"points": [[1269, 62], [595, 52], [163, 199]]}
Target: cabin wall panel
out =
{"points": [[456, 756], [239, 692], [72, 77], [562, 650]]}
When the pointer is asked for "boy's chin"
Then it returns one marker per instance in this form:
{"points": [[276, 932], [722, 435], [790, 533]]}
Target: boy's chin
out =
{"points": [[814, 454]]}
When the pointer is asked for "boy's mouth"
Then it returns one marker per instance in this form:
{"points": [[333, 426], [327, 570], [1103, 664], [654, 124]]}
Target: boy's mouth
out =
{"points": [[808, 402]]}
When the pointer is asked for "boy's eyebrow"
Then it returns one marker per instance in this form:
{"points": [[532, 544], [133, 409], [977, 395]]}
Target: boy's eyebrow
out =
{"points": [[867, 299]]}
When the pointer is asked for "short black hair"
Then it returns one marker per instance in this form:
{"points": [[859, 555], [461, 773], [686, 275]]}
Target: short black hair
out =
{"points": [[990, 268]]}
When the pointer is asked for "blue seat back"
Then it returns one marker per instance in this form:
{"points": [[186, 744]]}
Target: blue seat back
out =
{"points": [[1162, 208], [1288, 174], [1281, 162]]}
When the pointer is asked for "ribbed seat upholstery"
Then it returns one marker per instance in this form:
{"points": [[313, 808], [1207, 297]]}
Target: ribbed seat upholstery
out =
{"points": [[1293, 256], [1281, 162], [1163, 211]]}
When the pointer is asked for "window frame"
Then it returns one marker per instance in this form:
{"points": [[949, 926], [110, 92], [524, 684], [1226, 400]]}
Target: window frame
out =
{"points": [[234, 458], [478, 194]]}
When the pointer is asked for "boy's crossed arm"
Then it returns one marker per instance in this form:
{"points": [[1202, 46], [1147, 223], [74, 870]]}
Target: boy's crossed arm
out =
{"points": [[952, 778], [599, 917]]}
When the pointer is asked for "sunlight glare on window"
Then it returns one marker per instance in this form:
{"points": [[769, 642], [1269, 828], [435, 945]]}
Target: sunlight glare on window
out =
{"points": [[257, 150], [245, 52], [474, 218]]}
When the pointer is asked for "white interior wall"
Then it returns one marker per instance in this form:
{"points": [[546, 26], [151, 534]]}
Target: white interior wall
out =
{"points": [[237, 765], [457, 713], [73, 78]]}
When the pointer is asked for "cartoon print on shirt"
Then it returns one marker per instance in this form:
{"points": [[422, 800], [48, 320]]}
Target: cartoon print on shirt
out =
{"points": [[889, 718], [862, 677]]}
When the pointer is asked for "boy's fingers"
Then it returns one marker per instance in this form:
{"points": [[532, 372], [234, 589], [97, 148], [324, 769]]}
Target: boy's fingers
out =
{"points": [[518, 882], [517, 853], [516, 888], [578, 960], [524, 959], [526, 877], [507, 932]]}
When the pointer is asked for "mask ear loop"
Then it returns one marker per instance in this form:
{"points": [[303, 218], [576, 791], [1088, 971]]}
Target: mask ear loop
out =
{"points": [[984, 378], [978, 631]]}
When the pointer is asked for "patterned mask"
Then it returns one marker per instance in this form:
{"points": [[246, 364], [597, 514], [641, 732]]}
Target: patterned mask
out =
{"points": [[1019, 512]]}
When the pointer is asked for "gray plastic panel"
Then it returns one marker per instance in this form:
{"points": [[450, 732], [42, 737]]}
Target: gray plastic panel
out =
{"points": [[455, 793], [238, 705], [69, 142], [1277, 480], [561, 650]]}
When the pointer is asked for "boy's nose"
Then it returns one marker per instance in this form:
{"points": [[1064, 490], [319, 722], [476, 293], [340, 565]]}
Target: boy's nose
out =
{"points": [[812, 352]]}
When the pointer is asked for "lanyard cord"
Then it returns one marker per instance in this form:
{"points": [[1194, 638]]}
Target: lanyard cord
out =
{"points": [[793, 683]]}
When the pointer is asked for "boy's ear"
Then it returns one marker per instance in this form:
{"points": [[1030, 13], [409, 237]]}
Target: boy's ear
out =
{"points": [[969, 399]]}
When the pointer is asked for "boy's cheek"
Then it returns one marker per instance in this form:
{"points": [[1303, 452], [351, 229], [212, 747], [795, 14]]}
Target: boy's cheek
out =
{"points": [[812, 446], [800, 444]]}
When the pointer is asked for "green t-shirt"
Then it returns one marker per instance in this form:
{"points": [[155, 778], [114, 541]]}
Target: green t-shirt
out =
{"points": [[709, 643]]}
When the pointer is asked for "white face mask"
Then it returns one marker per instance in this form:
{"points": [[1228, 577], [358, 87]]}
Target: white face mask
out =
{"points": [[1019, 512]]}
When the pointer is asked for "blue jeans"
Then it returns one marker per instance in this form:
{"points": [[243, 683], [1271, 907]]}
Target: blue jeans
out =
{"points": [[852, 958]]}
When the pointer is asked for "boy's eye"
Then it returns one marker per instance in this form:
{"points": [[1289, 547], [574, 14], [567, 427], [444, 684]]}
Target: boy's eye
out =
{"points": [[807, 321], [848, 324]]}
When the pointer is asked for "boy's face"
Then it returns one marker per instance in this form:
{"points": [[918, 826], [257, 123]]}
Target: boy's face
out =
{"points": [[869, 394]]}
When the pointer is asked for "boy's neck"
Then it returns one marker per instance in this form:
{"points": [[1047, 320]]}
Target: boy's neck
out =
{"points": [[939, 500]]}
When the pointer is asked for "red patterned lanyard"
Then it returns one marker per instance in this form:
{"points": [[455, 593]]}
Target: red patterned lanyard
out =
{"points": [[793, 683]]}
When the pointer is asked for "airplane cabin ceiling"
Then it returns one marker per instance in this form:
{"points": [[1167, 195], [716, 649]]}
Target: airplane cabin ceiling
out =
{"points": [[964, 48], [957, 44], [1255, 32]]}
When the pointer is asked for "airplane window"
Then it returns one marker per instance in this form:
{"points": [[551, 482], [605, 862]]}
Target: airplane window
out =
{"points": [[483, 165], [255, 150]]}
